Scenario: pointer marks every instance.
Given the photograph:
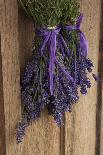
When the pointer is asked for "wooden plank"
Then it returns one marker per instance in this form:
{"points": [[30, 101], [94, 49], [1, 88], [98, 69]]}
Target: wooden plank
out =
{"points": [[2, 115], [10, 73], [100, 91], [80, 127]]}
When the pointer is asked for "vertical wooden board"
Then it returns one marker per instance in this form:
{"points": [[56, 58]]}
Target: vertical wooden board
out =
{"points": [[100, 88], [80, 126], [2, 115], [99, 124], [101, 129], [10, 73]]}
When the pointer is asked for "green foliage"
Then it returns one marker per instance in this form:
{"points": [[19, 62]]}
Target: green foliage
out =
{"points": [[70, 11], [51, 12]]}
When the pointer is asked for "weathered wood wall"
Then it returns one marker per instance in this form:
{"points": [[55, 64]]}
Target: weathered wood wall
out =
{"points": [[83, 130]]}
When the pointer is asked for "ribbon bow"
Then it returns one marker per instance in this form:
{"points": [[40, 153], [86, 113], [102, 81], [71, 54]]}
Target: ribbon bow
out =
{"points": [[49, 37], [83, 41]]}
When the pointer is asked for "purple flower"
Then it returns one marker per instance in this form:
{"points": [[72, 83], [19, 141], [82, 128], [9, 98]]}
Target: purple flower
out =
{"points": [[21, 129]]}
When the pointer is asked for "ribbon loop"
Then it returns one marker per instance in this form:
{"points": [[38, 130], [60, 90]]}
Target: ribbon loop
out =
{"points": [[79, 21], [52, 60], [83, 40]]}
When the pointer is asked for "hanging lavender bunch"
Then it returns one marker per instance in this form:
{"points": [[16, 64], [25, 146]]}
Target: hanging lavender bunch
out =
{"points": [[59, 63]]}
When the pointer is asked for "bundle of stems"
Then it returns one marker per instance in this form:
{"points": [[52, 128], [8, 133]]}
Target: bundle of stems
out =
{"points": [[51, 12]]}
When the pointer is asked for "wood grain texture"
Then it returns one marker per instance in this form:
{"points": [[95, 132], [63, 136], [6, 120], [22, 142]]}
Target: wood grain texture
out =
{"points": [[43, 137], [10, 73], [80, 128], [2, 115], [100, 92]]}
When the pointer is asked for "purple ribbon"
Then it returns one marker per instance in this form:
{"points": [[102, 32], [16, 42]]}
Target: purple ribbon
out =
{"points": [[49, 37], [83, 41]]}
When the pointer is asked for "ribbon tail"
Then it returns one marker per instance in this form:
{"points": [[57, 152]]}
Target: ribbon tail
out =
{"points": [[53, 43], [83, 44]]}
